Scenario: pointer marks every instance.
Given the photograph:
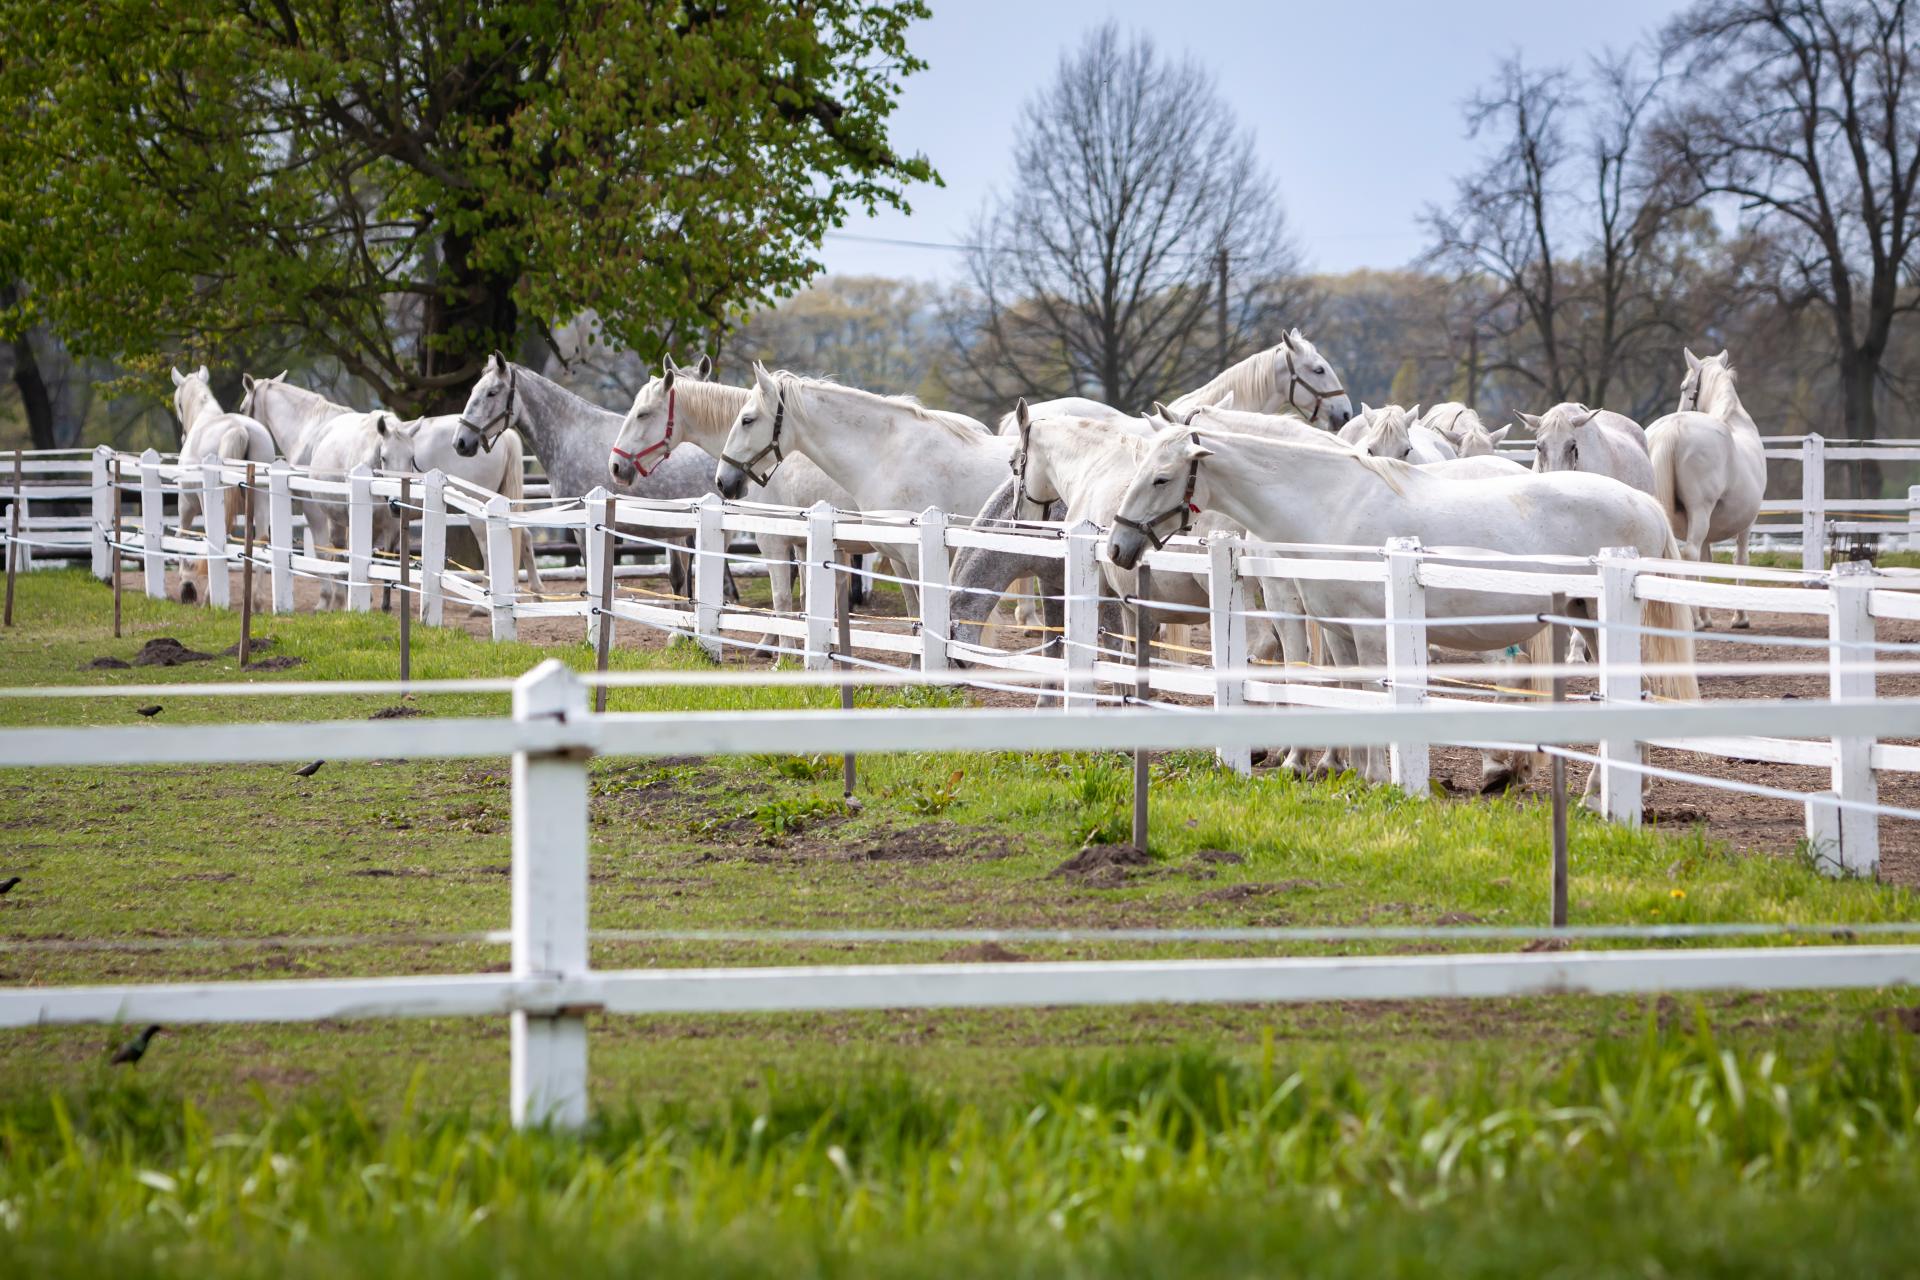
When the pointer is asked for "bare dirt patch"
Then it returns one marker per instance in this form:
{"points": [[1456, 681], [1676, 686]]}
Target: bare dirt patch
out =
{"points": [[1104, 865], [282, 662], [398, 712], [165, 651], [108, 664], [982, 953]]}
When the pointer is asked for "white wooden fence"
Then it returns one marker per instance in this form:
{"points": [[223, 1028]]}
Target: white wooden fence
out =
{"points": [[552, 987], [1848, 601]]}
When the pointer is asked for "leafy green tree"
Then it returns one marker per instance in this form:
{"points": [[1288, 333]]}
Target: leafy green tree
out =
{"points": [[402, 187]]}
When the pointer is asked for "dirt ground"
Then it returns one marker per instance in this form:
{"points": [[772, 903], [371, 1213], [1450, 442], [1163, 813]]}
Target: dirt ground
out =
{"points": [[1744, 822]]}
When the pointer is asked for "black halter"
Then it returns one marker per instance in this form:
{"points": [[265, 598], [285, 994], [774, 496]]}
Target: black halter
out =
{"points": [[1184, 511], [500, 421], [1295, 382], [772, 446], [1018, 465]]}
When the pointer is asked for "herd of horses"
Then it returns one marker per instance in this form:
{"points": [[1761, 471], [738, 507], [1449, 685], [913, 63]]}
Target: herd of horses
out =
{"points": [[1272, 446]]}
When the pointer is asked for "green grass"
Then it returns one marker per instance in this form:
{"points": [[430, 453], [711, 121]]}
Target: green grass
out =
{"points": [[1663, 1151], [380, 1145]]}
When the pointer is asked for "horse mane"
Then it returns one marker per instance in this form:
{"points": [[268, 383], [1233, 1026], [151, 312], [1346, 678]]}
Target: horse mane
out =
{"points": [[1251, 381], [710, 400], [910, 405], [1392, 471], [1724, 389]]}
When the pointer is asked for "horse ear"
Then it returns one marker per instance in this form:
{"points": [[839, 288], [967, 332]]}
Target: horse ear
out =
{"points": [[177, 379], [1163, 413], [1196, 450], [384, 424], [1020, 413], [1224, 402], [666, 379], [283, 375], [1501, 434], [1365, 408], [1531, 420], [706, 366], [1693, 361], [666, 362], [1414, 413], [202, 371], [246, 382]]}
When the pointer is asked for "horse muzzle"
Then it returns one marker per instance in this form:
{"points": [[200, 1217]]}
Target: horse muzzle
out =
{"points": [[466, 442], [1124, 546], [730, 480], [622, 472], [1339, 413]]}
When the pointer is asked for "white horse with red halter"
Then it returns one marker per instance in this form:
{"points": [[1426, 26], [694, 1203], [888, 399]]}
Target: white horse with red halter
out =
{"points": [[681, 407], [1709, 464], [215, 435], [1308, 492]]}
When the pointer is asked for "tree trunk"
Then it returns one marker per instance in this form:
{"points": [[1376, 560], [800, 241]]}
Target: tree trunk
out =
{"points": [[1859, 375], [473, 314], [34, 396]]}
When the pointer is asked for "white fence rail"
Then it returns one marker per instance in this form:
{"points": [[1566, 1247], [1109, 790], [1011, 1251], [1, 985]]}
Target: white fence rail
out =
{"points": [[1847, 602], [551, 987]]}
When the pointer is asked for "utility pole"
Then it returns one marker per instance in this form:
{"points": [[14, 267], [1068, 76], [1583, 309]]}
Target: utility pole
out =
{"points": [[1220, 305]]}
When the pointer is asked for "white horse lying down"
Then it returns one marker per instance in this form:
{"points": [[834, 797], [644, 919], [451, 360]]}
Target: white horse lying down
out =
{"points": [[1709, 466], [301, 421], [1303, 492], [682, 407], [1463, 429], [1572, 437], [214, 435]]}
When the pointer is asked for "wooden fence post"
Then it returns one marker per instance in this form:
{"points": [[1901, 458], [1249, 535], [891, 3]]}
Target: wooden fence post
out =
{"points": [[13, 529], [433, 547], [502, 584], [936, 600], [1618, 653], [1227, 629], [360, 540], [1813, 503], [1852, 679], [1407, 763], [280, 533], [406, 578], [596, 509], [213, 520], [549, 1072], [1082, 588], [709, 572], [153, 511], [103, 531], [819, 587]]}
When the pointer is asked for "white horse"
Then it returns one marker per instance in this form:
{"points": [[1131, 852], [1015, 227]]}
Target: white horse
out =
{"points": [[1572, 437], [301, 420], [378, 441], [1709, 465], [1291, 377], [1463, 429], [214, 435], [682, 407], [1397, 434], [890, 453], [1300, 492]]}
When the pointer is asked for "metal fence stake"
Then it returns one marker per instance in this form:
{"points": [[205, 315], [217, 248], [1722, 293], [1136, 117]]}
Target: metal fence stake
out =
{"points": [[1142, 687], [843, 607], [246, 577], [1559, 767], [406, 577], [13, 527]]}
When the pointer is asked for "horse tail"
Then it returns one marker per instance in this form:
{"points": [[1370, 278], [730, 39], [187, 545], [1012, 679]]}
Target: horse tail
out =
{"points": [[1661, 448], [1669, 641], [513, 489]]}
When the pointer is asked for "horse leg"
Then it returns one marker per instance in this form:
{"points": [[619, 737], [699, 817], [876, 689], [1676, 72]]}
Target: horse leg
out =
{"points": [[1741, 621], [1340, 651], [1370, 649], [857, 589], [190, 508], [778, 552]]}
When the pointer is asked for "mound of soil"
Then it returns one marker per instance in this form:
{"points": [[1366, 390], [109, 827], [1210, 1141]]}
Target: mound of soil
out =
{"points": [[1220, 856], [282, 663], [1241, 892], [258, 644], [400, 712], [107, 664], [165, 651], [1104, 864], [1547, 944], [982, 953], [1907, 1018]]}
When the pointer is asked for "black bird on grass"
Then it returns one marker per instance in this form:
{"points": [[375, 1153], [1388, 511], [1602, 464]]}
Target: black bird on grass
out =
{"points": [[6, 886], [149, 712], [308, 770], [136, 1048]]}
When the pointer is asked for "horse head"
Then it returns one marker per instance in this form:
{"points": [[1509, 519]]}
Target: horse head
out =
{"points": [[489, 409]]}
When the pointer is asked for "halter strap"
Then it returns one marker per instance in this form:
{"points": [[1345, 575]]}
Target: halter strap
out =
{"points": [[772, 446], [1184, 510], [500, 421], [1018, 465], [1295, 382], [665, 442]]}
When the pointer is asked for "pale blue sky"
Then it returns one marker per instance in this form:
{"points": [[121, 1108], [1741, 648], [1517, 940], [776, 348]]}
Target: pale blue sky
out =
{"points": [[1354, 104]]}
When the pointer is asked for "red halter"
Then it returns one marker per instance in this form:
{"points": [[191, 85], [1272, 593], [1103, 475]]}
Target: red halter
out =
{"points": [[663, 444]]}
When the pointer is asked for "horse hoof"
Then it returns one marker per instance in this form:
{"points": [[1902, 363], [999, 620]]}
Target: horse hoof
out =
{"points": [[188, 595], [1257, 756], [1743, 624]]}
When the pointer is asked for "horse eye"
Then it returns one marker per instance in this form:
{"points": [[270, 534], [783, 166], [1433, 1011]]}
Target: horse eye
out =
{"points": [[1159, 480]]}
